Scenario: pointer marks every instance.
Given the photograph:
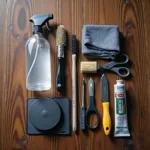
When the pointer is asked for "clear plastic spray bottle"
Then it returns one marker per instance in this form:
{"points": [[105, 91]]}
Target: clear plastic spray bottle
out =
{"points": [[38, 64]]}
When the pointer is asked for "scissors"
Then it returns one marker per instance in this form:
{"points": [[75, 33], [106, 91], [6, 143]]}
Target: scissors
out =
{"points": [[91, 110], [114, 66]]}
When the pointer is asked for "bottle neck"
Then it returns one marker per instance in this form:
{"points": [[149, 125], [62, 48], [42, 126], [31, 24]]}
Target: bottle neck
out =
{"points": [[37, 29], [38, 34]]}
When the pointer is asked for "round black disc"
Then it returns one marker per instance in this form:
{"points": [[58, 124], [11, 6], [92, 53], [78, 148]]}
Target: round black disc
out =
{"points": [[44, 114]]}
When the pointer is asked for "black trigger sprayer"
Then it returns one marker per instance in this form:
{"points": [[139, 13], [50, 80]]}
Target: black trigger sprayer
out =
{"points": [[38, 63]]}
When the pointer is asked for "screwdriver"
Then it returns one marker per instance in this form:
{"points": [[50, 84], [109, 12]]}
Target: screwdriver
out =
{"points": [[82, 110]]}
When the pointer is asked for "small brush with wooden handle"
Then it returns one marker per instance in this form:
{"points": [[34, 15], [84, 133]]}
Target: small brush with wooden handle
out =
{"points": [[74, 93]]}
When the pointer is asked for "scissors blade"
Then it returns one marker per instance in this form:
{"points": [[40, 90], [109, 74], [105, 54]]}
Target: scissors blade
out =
{"points": [[104, 88], [91, 87]]}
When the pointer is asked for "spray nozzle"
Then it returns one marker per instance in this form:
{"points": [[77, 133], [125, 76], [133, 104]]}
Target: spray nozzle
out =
{"points": [[48, 26], [39, 21]]}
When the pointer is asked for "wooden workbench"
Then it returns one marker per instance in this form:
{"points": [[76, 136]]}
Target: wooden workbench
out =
{"points": [[132, 17]]}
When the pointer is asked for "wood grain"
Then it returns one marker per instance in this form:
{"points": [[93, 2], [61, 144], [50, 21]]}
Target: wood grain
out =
{"points": [[132, 17]]}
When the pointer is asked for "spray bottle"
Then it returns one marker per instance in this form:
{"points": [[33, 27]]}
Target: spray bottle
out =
{"points": [[38, 64]]}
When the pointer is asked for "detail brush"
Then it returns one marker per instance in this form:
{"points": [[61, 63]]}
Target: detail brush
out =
{"points": [[82, 109], [74, 96], [61, 42]]}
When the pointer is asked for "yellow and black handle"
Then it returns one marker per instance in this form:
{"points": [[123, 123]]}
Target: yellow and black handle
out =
{"points": [[106, 118]]}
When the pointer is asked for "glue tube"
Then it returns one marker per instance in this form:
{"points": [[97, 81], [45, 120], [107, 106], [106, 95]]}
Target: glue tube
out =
{"points": [[121, 121]]}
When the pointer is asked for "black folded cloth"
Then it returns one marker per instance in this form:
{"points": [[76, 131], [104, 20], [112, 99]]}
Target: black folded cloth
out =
{"points": [[100, 41]]}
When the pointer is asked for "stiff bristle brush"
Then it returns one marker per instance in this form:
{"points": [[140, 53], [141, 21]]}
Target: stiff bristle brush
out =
{"points": [[74, 94], [61, 43]]}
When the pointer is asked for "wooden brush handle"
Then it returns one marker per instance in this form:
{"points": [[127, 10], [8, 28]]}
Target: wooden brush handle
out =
{"points": [[89, 67], [74, 100]]}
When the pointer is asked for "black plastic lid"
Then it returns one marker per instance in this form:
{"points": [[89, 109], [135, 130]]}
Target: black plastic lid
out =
{"points": [[44, 114]]}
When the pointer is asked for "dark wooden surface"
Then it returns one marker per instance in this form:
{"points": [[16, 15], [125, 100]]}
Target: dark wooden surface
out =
{"points": [[132, 16]]}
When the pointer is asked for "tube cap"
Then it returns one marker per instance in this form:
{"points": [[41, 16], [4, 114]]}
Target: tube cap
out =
{"points": [[119, 81]]}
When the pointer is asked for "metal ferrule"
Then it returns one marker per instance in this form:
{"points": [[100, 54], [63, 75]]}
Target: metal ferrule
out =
{"points": [[61, 51], [91, 87], [83, 92]]}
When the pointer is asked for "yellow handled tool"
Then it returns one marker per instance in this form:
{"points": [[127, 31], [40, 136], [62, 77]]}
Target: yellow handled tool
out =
{"points": [[104, 98], [106, 118]]}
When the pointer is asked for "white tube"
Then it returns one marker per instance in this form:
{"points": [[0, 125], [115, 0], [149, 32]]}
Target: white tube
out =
{"points": [[121, 121]]}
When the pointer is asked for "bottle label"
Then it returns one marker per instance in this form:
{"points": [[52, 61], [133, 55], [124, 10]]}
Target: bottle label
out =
{"points": [[120, 104]]}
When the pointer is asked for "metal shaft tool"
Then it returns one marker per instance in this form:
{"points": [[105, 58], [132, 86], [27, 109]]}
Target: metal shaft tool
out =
{"points": [[105, 99], [82, 110]]}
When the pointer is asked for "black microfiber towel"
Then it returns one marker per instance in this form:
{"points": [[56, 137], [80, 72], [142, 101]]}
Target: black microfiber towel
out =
{"points": [[100, 41]]}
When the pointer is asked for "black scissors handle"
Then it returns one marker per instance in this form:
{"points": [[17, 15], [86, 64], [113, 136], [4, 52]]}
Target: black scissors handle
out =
{"points": [[123, 60], [91, 110], [112, 66], [123, 72]]}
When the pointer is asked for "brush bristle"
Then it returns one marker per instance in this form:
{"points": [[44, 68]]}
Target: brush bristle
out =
{"points": [[74, 44], [61, 36]]}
